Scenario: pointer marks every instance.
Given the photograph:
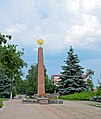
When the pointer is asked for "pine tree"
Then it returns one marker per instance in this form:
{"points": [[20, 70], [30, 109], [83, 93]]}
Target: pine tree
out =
{"points": [[4, 86], [71, 79]]}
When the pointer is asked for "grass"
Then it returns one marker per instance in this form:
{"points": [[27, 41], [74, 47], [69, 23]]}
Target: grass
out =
{"points": [[78, 96], [3, 99], [95, 105], [1, 104]]}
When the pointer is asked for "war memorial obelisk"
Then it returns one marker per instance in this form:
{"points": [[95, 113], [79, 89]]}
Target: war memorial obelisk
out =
{"points": [[41, 83]]}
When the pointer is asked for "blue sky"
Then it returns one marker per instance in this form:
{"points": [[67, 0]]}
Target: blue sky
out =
{"points": [[60, 23]]}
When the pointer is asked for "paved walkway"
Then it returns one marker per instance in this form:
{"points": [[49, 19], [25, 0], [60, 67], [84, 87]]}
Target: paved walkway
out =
{"points": [[15, 109]]}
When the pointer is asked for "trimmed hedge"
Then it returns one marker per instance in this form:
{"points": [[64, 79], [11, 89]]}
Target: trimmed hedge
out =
{"points": [[1, 104], [78, 96]]}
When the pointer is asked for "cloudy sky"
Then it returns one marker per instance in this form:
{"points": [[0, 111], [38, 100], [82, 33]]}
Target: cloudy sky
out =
{"points": [[60, 23]]}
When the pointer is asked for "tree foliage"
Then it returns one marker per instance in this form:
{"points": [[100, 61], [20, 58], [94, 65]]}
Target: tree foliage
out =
{"points": [[4, 86], [90, 73], [71, 79], [99, 87], [32, 80], [21, 85], [11, 62], [49, 87]]}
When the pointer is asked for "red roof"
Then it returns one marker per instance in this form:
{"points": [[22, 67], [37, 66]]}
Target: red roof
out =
{"points": [[58, 75], [84, 76], [55, 75]]}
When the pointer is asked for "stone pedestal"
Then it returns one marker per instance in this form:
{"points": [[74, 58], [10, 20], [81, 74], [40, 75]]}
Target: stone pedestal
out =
{"points": [[43, 101], [41, 83]]}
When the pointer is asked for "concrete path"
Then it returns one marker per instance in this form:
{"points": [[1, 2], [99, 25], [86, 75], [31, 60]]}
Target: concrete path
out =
{"points": [[15, 109]]}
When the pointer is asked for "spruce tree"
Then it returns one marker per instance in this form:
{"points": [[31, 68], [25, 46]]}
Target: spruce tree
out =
{"points": [[71, 79], [4, 86]]}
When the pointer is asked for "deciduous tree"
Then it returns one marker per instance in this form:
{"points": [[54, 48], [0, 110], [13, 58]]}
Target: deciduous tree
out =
{"points": [[11, 62]]}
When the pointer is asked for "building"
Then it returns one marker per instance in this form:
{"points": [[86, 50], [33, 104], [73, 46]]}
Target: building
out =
{"points": [[56, 78], [85, 77]]}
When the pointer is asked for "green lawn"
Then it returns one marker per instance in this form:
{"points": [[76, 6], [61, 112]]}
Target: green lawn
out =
{"points": [[1, 104], [95, 105], [3, 99]]}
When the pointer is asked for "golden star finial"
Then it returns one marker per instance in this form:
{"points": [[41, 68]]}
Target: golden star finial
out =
{"points": [[40, 42]]}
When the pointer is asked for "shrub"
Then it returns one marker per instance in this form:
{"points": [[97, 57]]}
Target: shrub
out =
{"points": [[79, 96], [98, 92], [14, 92], [1, 104]]}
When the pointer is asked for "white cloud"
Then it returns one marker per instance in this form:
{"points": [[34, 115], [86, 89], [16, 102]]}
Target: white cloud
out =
{"points": [[15, 29], [91, 4], [59, 23], [86, 34], [18, 32], [73, 5]]}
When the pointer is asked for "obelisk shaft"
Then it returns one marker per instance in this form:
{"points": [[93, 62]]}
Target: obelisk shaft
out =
{"points": [[41, 83]]}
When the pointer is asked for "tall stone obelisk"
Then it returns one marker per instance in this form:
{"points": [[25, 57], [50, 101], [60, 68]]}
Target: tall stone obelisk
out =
{"points": [[41, 83]]}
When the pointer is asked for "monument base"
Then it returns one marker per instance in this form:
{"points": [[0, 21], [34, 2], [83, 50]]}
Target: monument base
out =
{"points": [[43, 101], [56, 101]]}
